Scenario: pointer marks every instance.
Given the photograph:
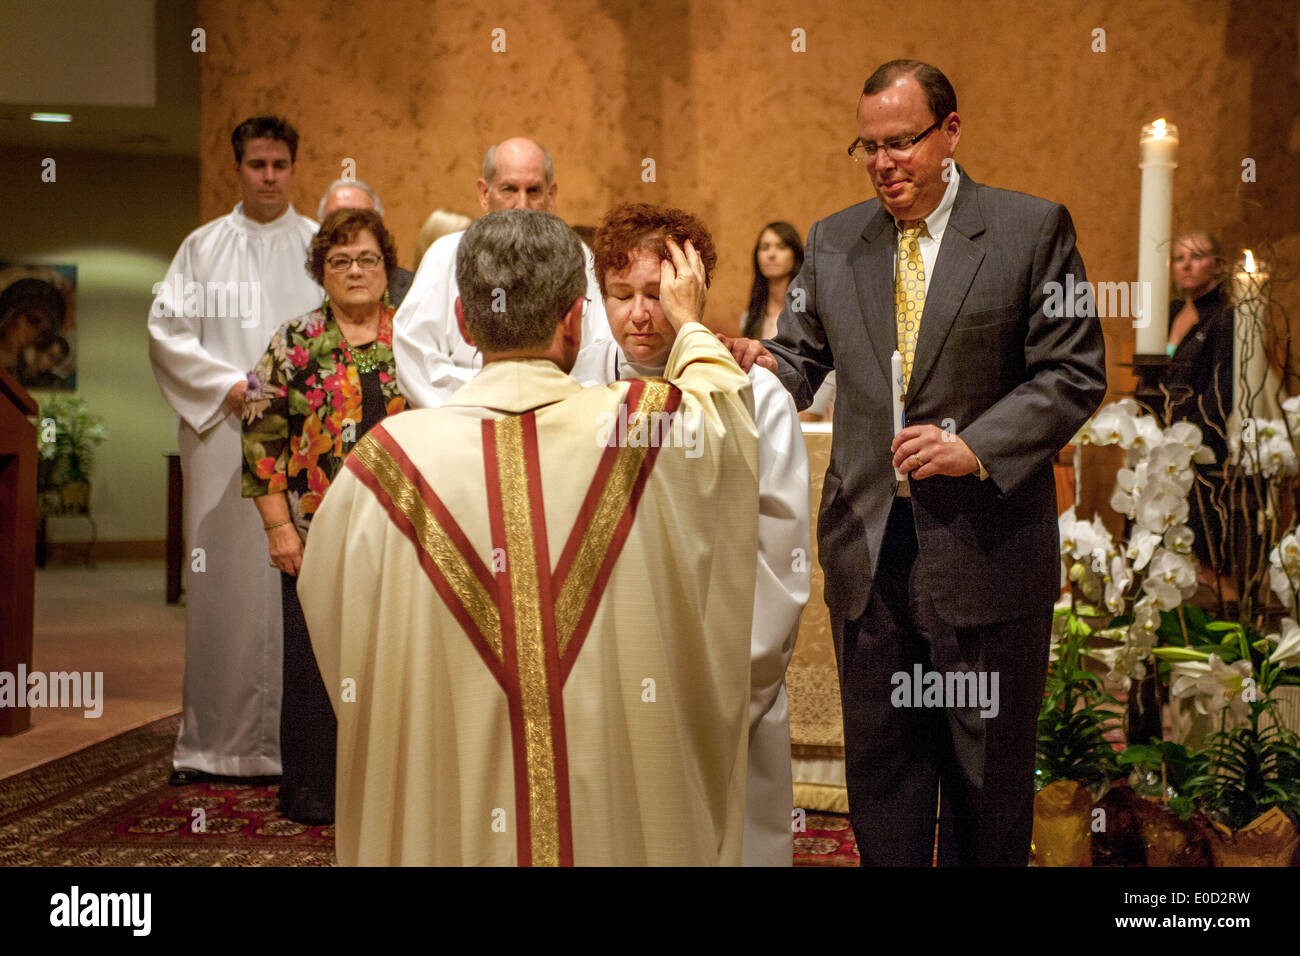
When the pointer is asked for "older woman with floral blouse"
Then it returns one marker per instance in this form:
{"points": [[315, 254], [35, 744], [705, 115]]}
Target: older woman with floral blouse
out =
{"points": [[325, 380]]}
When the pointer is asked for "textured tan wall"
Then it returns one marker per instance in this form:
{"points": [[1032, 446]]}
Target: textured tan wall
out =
{"points": [[743, 130]]}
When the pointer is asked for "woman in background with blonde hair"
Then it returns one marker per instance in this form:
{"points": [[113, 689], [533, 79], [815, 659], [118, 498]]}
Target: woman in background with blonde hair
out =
{"points": [[1199, 375], [441, 222]]}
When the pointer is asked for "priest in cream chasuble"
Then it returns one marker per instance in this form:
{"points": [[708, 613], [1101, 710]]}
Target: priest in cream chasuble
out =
{"points": [[532, 608]]}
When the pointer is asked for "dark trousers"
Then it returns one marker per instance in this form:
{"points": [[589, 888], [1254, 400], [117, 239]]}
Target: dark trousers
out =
{"points": [[904, 760], [308, 727]]}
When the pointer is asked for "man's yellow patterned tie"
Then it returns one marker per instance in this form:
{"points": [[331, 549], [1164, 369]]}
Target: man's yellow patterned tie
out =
{"points": [[909, 292]]}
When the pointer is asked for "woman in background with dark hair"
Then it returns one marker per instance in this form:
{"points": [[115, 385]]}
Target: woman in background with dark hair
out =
{"points": [[778, 257]]}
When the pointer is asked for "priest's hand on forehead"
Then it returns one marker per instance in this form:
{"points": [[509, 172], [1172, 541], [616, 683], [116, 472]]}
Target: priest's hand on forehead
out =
{"points": [[682, 287]]}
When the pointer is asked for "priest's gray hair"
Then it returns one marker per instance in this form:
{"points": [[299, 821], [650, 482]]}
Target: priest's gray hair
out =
{"points": [[490, 164], [519, 271], [339, 184]]}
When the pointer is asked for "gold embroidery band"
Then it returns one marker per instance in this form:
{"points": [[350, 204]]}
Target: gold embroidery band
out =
{"points": [[531, 661], [604, 522], [457, 573]]}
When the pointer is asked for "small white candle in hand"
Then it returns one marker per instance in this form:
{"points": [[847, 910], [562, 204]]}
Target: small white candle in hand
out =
{"points": [[896, 393]]}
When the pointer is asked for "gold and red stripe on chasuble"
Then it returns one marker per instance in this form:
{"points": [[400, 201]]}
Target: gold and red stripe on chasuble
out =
{"points": [[527, 622]]}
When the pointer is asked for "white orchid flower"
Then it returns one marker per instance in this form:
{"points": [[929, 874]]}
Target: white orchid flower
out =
{"points": [[1179, 539], [1161, 511], [1291, 409], [1190, 437], [1176, 569], [1112, 425], [1271, 454], [1146, 622], [1142, 546], [1163, 594], [1277, 454], [1147, 436], [1287, 553], [1080, 540], [1120, 579], [1124, 498], [1170, 459]]}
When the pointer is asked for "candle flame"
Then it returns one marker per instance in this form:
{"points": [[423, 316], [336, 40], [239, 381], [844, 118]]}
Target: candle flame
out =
{"points": [[1250, 261], [1158, 127]]}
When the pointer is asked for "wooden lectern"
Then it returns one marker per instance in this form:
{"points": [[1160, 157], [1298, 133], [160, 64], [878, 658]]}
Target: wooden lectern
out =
{"points": [[17, 538]]}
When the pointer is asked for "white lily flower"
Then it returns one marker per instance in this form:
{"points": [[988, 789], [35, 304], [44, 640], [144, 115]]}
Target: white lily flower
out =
{"points": [[1185, 675], [1284, 571], [1125, 663], [1286, 587], [1212, 685], [1287, 652]]}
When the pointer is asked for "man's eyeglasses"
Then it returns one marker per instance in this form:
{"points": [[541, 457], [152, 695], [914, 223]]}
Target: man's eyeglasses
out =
{"points": [[896, 148], [367, 261]]}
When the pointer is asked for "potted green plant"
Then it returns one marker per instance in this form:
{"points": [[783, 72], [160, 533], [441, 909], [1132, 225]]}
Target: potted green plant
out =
{"points": [[67, 437], [1075, 761], [1247, 775]]}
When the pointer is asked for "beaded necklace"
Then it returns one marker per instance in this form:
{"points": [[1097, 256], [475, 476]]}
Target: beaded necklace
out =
{"points": [[368, 360]]}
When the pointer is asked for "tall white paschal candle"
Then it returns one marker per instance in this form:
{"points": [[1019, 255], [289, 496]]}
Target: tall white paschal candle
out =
{"points": [[1254, 383], [1159, 159]]}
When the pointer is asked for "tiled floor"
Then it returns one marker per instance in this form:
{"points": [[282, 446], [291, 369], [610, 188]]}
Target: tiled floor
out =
{"points": [[111, 619]]}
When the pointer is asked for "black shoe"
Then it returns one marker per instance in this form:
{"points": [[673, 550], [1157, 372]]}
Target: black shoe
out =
{"points": [[185, 776], [308, 814]]}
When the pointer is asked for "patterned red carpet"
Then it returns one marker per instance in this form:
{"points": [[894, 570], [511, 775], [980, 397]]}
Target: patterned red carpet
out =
{"points": [[110, 805], [828, 841]]}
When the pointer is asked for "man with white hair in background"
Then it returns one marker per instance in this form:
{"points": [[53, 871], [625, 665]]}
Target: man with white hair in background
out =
{"points": [[433, 360], [354, 194]]}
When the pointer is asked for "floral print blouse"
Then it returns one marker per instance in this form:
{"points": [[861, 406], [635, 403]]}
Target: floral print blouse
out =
{"points": [[307, 406]]}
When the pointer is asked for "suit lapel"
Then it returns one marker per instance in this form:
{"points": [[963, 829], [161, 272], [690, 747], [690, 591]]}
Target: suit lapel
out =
{"points": [[872, 264], [954, 270]]}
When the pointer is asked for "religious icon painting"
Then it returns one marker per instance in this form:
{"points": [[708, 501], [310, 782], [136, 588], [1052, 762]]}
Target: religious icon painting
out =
{"points": [[38, 322]]}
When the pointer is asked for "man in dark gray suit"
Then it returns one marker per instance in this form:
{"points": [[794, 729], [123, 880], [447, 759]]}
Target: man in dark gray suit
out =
{"points": [[940, 585]]}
